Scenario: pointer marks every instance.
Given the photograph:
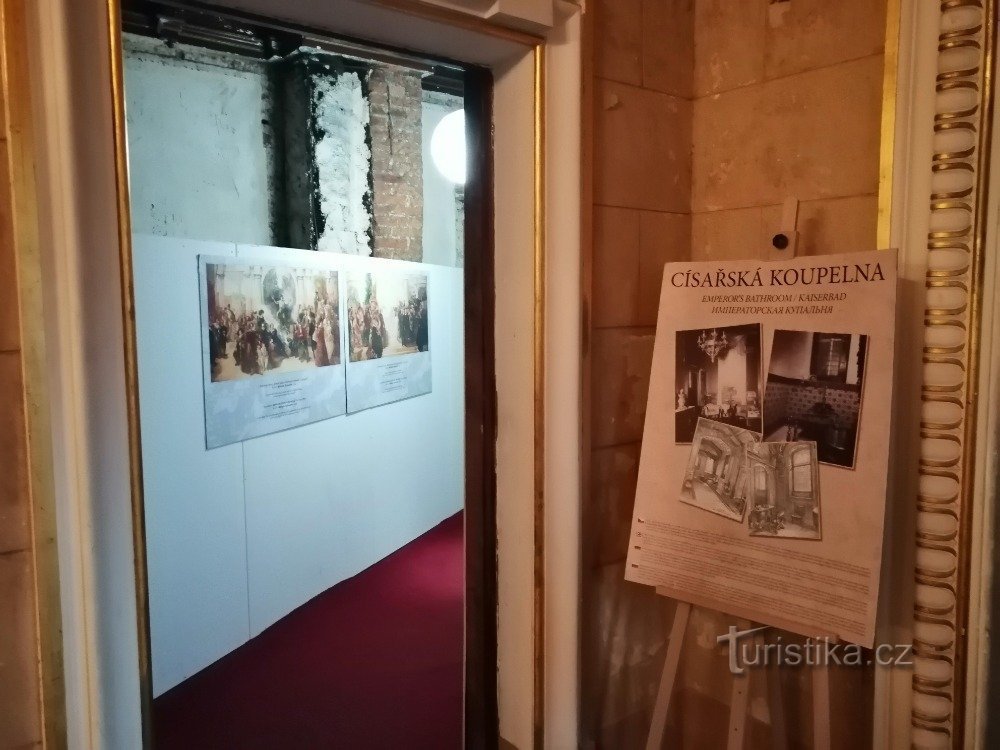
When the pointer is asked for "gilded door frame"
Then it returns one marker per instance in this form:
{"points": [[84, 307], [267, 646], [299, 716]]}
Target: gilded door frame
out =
{"points": [[536, 46]]}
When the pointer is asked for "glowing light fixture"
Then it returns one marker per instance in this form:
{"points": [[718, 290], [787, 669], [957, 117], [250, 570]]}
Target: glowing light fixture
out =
{"points": [[448, 146]]}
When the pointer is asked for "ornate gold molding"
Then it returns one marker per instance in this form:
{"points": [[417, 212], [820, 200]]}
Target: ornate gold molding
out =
{"points": [[952, 321]]}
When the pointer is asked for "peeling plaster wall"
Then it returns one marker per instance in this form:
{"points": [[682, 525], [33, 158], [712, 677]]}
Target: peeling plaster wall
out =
{"points": [[296, 152], [342, 160], [201, 144]]}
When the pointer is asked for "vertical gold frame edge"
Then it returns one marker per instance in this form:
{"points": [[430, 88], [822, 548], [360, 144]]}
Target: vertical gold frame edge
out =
{"points": [[114, 28], [939, 697], [21, 149], [538, 682], [887, 142], [408, 7]]}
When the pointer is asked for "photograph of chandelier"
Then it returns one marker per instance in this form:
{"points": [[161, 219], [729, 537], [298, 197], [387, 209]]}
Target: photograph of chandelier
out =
{"points": [[718, 377]]}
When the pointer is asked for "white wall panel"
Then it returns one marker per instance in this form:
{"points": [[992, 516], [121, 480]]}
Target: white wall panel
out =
{"points": [[440, 237], [328, 500], [195, 527], [241, 535]]}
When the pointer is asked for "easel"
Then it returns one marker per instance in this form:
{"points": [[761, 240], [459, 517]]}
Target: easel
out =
{"points": [[740, 698], [783, 246]]}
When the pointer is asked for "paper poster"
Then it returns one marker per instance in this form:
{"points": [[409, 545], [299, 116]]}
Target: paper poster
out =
{"points": [[389, 333], [272, 346], [763, 473]]}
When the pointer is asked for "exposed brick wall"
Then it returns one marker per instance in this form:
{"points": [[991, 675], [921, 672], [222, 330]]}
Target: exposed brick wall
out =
{"points": [[394, 97]]}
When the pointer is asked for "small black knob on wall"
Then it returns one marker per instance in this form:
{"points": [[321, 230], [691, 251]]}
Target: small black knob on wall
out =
{"points": [[780, 241]]}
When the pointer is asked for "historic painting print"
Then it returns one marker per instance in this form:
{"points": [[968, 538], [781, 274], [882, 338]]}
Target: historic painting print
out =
{"points": [[389, 333], [266, 319], [272, 343], [387, 314]]}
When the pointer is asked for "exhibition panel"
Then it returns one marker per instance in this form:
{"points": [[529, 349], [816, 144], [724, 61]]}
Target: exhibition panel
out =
{"points": [[240, 535]]}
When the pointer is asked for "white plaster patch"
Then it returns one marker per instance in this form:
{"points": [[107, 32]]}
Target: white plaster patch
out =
{"points": [[342, 162]]}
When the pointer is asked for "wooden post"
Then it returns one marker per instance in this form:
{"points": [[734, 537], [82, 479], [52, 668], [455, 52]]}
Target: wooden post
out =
{"points": [[658, 726], [739, 702], [776, 705], [821, 706]]}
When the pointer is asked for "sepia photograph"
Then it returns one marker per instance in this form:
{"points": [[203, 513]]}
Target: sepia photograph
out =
{"points": [[387, 314], [717, 470], [783, 490], [813, 392], [718, 377], [267, 319]]}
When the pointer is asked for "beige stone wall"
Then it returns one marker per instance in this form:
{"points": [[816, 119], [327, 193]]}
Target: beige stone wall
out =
{"points": [[706, 116], [642, 78], [788, 104], [20, 709]]}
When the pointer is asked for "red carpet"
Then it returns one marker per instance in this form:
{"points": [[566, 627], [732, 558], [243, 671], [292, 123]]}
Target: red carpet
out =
{"points": [[374, 662]]}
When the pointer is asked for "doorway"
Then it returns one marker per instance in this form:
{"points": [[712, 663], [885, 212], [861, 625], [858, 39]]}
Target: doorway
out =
{"points": [[314, 325]]}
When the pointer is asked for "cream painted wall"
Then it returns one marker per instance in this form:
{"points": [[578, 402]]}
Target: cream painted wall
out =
{"points": [[515, 413], [530, 15], [910, 184], [563, 362]]}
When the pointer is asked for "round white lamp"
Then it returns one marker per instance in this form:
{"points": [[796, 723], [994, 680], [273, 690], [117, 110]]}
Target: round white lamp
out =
{"points": [[448, 146]]}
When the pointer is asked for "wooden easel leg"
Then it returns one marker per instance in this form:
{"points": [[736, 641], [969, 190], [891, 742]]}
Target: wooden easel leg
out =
{"points": [[658, 726], [738, 713], [821, 706], [776, 705], [739, 703]]}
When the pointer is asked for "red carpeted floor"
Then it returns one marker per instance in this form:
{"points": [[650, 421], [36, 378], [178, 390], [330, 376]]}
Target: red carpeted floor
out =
{"points": [[374, 662]]}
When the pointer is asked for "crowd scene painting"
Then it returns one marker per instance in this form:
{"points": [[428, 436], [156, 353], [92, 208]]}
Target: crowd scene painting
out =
{"points": [[386, 314], [271, 319]]}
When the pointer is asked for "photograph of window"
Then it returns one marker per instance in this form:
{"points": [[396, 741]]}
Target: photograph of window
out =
{"points": [[813, 392], [717, 377], [716, 475], [785, 490]]}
